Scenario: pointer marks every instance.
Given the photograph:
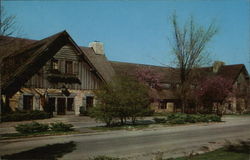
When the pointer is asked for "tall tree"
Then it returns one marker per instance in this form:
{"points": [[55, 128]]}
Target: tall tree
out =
{"points": [[189, 43]]}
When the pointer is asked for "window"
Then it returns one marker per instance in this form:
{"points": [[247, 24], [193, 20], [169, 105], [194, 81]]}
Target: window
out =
{"points": [[75, 68], [162, 105], [69, 67], [166, 86], [54, 64]]}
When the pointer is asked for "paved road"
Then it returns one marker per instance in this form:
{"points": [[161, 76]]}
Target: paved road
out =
{"points": [[143, 144]]}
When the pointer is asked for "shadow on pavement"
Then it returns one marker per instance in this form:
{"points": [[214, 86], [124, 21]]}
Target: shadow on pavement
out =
{"points": [[48, 152]]}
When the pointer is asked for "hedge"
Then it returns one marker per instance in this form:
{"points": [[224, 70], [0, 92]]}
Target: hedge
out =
{"points": [[25, 115]]}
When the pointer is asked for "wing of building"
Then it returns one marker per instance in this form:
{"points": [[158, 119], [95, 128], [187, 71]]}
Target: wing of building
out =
{"points": [[57, 71], [54, 68]]}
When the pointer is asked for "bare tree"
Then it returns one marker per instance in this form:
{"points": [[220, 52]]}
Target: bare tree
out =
{"points": [[7, 23], [7, 28], [188, 46]]}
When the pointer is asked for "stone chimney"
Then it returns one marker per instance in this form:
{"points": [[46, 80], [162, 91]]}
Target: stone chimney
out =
{"points": [[98, 47], [217, 65]]}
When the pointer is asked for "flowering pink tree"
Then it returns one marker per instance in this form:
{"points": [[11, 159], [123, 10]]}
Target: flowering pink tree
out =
{"points": [[149, 77], [213, 89]]}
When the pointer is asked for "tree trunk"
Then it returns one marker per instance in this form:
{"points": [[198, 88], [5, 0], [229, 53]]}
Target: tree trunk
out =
{"points": [[122, 123]]}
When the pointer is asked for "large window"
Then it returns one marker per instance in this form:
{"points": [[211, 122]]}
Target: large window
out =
{"points": [[69, 67]]}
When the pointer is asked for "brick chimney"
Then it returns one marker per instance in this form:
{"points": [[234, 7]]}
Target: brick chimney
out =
{"points": [[217, 65], [98, 47]]}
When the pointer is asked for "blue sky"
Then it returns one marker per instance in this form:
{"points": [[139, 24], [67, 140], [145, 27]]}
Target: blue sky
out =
{"points": [[137, 30]]}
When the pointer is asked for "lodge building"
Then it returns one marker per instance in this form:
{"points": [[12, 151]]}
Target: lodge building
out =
{"points": [[57, 71]]}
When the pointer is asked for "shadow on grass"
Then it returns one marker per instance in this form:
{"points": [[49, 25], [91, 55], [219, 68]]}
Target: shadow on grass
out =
{"points": [[48, 152]]}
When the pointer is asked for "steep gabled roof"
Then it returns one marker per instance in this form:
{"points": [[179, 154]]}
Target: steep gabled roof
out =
{"points": [[22, 58], [21, 64]]}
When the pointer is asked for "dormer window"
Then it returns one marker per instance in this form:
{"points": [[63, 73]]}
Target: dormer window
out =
{"points": [[54, 64], [69, 67]]}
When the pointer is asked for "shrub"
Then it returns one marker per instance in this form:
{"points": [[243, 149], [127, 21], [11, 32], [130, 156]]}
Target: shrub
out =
{"points": [[25, 115], [192, 118], [36, 114], [180, 118], [214, 118], [160, 120], [33, 127], [59, 126], [83, 111], [177, 121]]}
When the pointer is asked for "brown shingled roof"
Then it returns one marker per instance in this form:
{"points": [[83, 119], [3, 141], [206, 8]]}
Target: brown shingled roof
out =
{"points": [[171, 75], [22, 58], [167, 74], [100, 62], [21, 64]]}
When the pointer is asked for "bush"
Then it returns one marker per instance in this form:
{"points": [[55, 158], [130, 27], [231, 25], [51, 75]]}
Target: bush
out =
{"points": [[59, 126], [177, 121], [160, 120], [33, 127], [25, 115], [36, 114], [180, 118], [83, 111], [192, 118], [214, 118]]}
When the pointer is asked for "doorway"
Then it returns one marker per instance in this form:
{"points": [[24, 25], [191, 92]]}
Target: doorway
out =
{"points": [[89, 102], [52, 104], [61, 106], [27, 102], [70, 104]]}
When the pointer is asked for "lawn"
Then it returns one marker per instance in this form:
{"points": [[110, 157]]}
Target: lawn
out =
{"points": [[123, 127], [47, 133], [220, 154]]}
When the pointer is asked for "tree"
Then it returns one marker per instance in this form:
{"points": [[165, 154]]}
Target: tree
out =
{"points": [[7, 28], [7, 23], [213, 89], [189, 43], [150, 78], [123, 98]]}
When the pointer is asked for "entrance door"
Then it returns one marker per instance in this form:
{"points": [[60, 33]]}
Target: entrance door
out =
{"points": [[89, 102], [52, 104], [70, 102], [61, 106], [27, 102]]}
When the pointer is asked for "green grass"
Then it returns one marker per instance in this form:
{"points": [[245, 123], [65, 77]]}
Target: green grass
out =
{"points": [[47, 133], [124, 127], [48, 152], [220, 154]]}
